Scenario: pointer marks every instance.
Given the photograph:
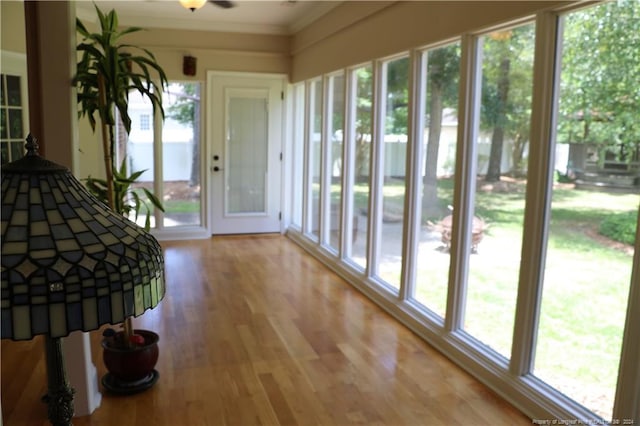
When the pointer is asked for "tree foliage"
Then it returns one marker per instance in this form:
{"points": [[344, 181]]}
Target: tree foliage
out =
{"points": [[599, 98], [364, 93], [397, 96], [507, 72], [443, 71], [600, 85], [186, 110], [106, 73], [183, 108]]}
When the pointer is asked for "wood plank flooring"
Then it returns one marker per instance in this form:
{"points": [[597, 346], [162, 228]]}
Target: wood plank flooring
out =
{"points": [[254, 331]]}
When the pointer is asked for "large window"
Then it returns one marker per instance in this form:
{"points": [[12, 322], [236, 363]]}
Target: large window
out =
{"points": [[297, 154], [441, 67], [12, 111], [594, 206], [169, 153], [502, 130], [136, 153], [499, 177], [314, 147], [335, 137], [392, 167], [360, 139], [181, 155]]}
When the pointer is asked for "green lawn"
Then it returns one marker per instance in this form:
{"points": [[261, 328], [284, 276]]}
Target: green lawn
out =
{"points": [[181, 206], [585, 291]]}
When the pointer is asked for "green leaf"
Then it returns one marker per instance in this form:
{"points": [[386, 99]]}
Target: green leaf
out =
{"points": [[154, 200]]}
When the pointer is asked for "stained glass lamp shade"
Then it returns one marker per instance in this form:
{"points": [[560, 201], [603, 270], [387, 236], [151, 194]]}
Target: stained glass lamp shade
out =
{"points": [[69, 262]]}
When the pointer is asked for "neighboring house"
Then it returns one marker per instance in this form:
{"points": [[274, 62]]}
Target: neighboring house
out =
{"points": [[592, 164]]}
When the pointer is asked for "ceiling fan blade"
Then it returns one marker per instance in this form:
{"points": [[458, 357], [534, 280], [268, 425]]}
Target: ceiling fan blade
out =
{"points": [[225, 4]]}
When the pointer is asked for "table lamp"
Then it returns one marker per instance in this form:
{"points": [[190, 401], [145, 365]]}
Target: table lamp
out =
{"points": [[68, 263]]}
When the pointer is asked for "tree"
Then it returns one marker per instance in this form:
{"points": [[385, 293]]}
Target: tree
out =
{"points": [[443, 70], [186, 110], [364, 93], [507, 71], [397, 108], [600, 84], [397, 96]]}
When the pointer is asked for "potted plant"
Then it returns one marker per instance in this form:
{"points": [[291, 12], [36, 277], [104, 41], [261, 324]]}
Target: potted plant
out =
{"points": [[107, 71]]}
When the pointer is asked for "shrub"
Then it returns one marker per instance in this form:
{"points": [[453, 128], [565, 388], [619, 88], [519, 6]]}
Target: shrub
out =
{"points": [[620, 227]]}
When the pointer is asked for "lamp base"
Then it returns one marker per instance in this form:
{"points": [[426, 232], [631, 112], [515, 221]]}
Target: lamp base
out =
{"points": [[115, 385], [59, 397]]}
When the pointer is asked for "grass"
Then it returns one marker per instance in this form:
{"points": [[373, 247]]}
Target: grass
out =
{"points": [[586, 285], [181, 206], [586, 280]]}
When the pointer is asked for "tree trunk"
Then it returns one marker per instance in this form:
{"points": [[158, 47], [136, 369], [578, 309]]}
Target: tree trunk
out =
{"points": [[519, 145], [430, 204], [362, 157], [495, 158], [497, 139]]}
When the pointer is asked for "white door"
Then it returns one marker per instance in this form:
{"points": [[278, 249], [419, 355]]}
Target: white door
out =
{"points": [[246, 140]]}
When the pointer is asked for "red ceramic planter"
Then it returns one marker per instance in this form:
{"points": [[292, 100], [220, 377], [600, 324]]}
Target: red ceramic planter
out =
{"points": [[132, 364]]}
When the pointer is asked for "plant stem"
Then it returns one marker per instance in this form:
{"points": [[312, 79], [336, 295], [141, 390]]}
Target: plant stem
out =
{"points": [[107, 135], [127, 329], [107, 147]]}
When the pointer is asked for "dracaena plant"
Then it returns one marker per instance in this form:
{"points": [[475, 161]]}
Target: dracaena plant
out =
{"points": [[107, 71], [127, 199]]}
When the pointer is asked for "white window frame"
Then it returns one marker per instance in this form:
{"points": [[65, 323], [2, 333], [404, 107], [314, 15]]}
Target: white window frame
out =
{"points": [[186, 232], [513, 378], [14, 63]]}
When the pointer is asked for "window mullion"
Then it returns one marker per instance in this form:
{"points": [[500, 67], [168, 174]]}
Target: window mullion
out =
{"points": [[415, 154], [325, 161], [465, 171], [538, 197], [158, 172], [307, 169], [627, 400], [376, 174], [348, 162]]}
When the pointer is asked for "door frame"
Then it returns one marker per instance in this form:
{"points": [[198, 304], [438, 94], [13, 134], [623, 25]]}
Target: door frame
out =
{"points": [[211, 75]]}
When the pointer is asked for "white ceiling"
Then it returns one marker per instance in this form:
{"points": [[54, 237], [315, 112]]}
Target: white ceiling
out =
{"points": [[262, 17]]}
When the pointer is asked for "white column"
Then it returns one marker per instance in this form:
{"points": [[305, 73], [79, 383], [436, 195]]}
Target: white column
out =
{"points": [[51, 59], [81, 373]]}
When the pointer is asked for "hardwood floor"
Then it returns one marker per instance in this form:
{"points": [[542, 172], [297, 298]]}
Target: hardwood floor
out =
{"points": [[255, 331]]}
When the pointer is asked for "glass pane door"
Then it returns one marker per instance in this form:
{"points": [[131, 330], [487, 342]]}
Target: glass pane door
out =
{"points": [[246, 159], [245, 120]]}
